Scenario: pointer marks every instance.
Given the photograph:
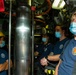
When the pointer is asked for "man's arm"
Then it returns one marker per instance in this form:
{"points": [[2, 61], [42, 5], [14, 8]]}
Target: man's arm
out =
{"points": [[44, 60], [4, 66], [56, 69], [53, 57]]}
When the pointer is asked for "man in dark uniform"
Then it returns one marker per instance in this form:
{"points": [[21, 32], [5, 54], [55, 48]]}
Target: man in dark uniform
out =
{"points": [[67, 61], [43, 50], [2, 42], [3, 56], [3, 62], [52, 59], [60, 32]]}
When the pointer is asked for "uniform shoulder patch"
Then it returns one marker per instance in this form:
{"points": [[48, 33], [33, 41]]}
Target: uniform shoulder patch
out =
{"points": [[74, 51], [61, 46], [2, 55]]}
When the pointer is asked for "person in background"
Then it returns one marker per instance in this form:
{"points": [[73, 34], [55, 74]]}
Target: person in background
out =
{"points": [[2, 42], [43, 50], [60, 33], [3, 56], [67, 63]]}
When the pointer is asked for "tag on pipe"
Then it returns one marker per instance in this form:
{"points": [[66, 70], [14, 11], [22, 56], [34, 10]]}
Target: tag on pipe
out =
{"points": [[2, 6]]}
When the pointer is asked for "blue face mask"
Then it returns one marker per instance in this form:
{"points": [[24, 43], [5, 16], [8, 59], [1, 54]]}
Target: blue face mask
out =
{"points": [[44, 39], [57, 34], [72, 28], [3, 44]]}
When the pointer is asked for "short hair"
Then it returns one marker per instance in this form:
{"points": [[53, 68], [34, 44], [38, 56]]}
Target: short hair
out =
{"points": [[63, 27], [73, 14]]}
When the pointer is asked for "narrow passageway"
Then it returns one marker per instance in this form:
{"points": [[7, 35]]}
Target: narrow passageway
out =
{"points": [[30, 33]]}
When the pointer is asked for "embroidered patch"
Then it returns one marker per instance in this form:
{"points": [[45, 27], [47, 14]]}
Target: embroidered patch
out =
{"points": [[74, 51], [45, 49], [2, 55], [61, 46]]}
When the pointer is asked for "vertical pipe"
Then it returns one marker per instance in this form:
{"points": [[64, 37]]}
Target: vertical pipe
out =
{"points": [[32, 43], [22, 44], [32, 3], [9, 71]]}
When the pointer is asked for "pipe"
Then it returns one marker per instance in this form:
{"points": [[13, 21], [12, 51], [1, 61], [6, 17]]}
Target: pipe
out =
{"points": [[32, 70], [22, 46], [9, 71]]}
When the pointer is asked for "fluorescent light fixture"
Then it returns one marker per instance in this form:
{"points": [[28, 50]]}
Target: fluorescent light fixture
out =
{"points": [[58, 4]]}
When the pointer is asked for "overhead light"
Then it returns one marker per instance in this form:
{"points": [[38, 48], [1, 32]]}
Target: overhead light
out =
{"points": [[41, 17], [58, 4], [29, 1]]}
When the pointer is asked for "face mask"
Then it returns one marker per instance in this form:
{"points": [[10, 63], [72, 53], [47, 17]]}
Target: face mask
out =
{"points": [[57, 34], [72, 28], [3, 44], [44, 39]]}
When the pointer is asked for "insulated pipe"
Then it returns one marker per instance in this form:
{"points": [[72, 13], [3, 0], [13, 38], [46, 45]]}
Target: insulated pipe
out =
{"points": [[22, 46]]}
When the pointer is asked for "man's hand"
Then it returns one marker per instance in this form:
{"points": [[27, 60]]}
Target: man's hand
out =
{"points": [[3, 66], [36, 53], [6, 68], [44, 62]]}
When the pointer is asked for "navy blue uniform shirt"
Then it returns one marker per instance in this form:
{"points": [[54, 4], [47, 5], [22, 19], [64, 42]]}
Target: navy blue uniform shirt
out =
{"points": [[3, 58], [68, 59], [58, 48], [44, 50]]}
